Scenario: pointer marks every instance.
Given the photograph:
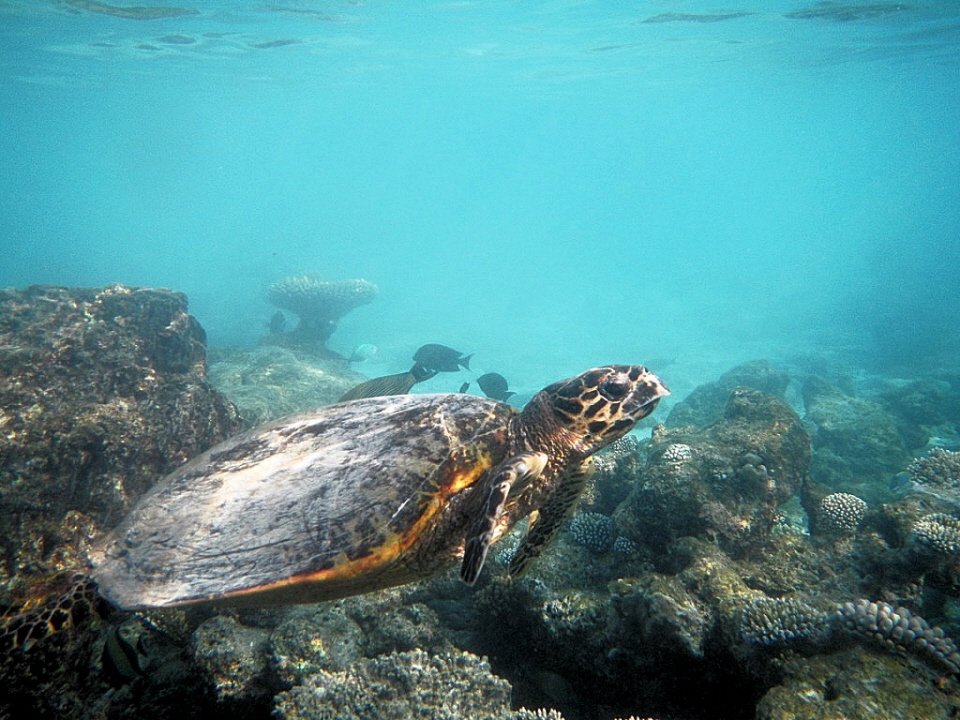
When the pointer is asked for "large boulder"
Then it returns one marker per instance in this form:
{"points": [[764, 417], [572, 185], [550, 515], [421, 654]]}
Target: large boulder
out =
{"points": [[102, 392], [856, 442]]}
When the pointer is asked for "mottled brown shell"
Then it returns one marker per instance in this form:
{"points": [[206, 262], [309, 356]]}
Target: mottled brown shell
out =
{"points": [[343, 500]]}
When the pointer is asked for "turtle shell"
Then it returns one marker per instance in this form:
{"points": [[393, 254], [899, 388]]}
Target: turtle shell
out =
{"points": [[321, 505]]}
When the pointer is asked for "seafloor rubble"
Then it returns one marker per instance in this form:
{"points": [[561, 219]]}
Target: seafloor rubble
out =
{"points": [[269, 382], [750, 559]]}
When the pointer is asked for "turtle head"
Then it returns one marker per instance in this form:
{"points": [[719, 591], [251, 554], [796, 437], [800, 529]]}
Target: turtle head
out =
{"points": [[601, 405]]}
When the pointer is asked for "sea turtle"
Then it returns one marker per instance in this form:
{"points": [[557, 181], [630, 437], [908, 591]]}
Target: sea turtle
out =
{"points": [[360, 496]]}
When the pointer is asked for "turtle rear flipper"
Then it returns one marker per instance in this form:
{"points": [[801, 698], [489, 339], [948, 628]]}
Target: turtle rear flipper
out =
{"points": [[557, 509], [517, 470]]}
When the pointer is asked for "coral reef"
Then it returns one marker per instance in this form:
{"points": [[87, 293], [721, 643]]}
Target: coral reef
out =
{"points": [[401, 686], [723, 481], [686, 567], [319, 304]]}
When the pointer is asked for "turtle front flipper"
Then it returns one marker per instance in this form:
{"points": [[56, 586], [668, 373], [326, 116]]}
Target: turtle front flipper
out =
{"points": [[80, 600], [557, 509], [517, 470]]}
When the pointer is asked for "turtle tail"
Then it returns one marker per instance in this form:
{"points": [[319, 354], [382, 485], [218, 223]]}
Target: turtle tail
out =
{"points": [[77, 603]]}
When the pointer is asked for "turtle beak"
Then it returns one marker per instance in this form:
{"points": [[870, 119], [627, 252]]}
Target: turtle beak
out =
{"points": [[647, 391]]}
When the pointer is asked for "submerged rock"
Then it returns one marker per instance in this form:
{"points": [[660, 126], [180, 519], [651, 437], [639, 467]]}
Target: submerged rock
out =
{"points": [[102, 392], [235, 658], [854, 685], [723, 482], [707, 402], [855, 441]]}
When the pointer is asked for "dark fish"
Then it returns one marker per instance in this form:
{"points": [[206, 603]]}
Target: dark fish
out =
{"points": [[901, 482], [441, 358], [277, 323], [494, 385], [464, 387], [123, 661], [389, 384]]}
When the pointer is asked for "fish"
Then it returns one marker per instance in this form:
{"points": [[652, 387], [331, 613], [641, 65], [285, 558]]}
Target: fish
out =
{"points": [[441, 358], [464, 387], [123, 660], [277, 323], [494, 386], [901, 482], [362, 352], [398, 384]]}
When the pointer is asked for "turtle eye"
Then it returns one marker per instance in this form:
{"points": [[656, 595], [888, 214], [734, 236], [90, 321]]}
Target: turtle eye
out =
{"points": [[615, 388]]}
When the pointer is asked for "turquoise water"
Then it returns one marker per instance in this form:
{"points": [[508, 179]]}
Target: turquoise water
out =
{"points": [[548, 185]]}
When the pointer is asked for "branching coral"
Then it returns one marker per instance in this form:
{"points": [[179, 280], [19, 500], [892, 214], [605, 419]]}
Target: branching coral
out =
{"points": [[940, 467], [938, 533], [900, 630], [841, 512], [400, 686], [769, 621], [594, 531]]}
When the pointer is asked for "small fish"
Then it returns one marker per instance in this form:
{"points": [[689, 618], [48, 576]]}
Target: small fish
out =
{"points": [[123, 659], [494, 386], [464, 387], [900, 482], [389, 384], [441, 358], [362, 352], [277, 323]]}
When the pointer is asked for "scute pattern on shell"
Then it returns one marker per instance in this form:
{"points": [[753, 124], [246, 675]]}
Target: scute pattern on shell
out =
{"points": [[842, 512]]}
